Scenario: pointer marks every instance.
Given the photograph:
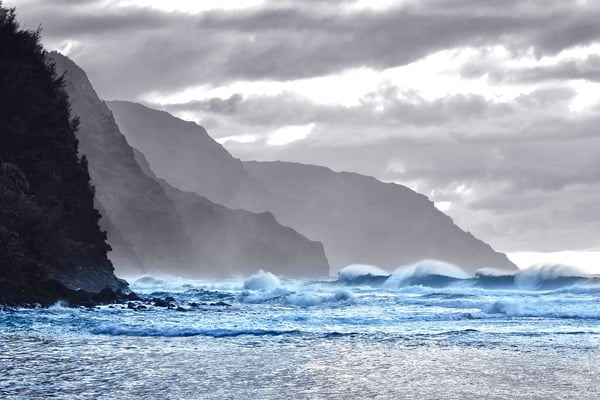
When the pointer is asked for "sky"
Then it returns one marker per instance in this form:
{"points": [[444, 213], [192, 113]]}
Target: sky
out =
{"points": [[491, 109]]}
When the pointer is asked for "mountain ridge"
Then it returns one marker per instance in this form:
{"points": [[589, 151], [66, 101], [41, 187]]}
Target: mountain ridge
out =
{"points": [[168, 230], [235, 230], [135, 206], [405, 227], [377, 223]]}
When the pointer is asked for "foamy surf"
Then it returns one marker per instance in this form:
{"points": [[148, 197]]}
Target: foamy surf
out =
{"points": [[365, 322]]}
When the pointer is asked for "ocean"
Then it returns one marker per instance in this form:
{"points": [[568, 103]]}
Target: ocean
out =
{"points": [[425, 332]]}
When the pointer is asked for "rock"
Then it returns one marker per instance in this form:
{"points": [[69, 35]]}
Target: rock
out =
{"points": [[158, 302], [221, 304]]}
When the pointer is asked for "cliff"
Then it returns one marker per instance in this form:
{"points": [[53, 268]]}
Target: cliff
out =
{"points": [[51, 247], [362, 220], [154, 227], [202, 165], [237, 242], [357, 218], [143, 225]]}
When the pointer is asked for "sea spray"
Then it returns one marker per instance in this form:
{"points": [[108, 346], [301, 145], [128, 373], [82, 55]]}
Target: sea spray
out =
{"points": [[262, 281]]}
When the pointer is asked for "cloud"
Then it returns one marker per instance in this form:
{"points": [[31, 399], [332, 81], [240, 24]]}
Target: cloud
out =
{"points": [[142, 48], [523, 174], [489, 107]]}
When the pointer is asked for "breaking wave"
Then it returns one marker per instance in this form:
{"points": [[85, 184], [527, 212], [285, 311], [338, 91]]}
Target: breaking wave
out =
{"points": [[358, 274], [436, 274], [262, 281]]}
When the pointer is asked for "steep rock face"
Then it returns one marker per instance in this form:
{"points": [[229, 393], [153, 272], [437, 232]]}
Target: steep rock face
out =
{"points": [[143, 225], [357, 218], [157, 228], [362, 220], [51, 246], [201, 165], [230, 242]]}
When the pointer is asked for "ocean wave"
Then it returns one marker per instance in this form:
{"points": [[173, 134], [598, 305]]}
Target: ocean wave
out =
{"points": [[437, 274], [262, 281], [119, 330], [291, 298], [310, 299], [358, 274], [512, 308]]}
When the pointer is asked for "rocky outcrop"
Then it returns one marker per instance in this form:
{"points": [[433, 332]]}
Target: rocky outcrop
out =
{"points": [[51, 247]]}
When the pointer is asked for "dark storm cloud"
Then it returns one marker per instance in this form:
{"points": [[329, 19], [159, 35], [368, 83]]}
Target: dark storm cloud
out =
{"points": [[292, 40], [91, 18], [299, 43], [521, 174]]}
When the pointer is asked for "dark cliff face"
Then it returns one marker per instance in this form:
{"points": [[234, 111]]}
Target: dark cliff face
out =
{"points": [[362, 220], [357, 218], [154, 227], [143, 225], [50, 241]]}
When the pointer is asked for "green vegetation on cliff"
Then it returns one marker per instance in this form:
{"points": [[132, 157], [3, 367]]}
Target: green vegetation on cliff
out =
{"points": [[50, 242]]}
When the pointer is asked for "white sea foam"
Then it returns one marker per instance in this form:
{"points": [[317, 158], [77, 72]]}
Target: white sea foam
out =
{"points": [[304, 296], [262, 281], [424, 269], [312, 299], [536, 276], [526, 308], [492, 272], [262, 296], [356, 270]]}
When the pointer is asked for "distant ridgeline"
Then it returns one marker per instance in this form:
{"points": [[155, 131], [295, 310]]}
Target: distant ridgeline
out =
{"points": [[50, 241], [154, 227], [174, 201], [357, 218]]}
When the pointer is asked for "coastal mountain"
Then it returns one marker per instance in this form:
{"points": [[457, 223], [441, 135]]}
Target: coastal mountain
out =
{"points": [[201, 165], [239, 242], [362, 220], [143, 226], [51, 247], [357, 218], [156, 228]]}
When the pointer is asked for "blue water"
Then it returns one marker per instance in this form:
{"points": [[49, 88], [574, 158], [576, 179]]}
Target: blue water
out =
{"points": [[426, 332]]}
